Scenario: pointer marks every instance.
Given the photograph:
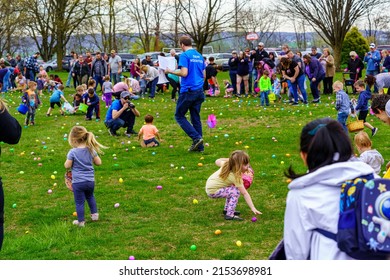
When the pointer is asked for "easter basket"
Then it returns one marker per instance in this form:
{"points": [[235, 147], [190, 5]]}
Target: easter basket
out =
{"points": [[68, 180], [247, 177], [83, 107], [23, 109], [355, 125]]}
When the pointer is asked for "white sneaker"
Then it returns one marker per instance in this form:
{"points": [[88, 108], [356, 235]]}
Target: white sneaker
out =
{"points": [[95, 216], [77, 223]]}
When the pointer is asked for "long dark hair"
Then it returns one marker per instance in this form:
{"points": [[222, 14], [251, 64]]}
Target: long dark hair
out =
{"points": [[324, 142]]}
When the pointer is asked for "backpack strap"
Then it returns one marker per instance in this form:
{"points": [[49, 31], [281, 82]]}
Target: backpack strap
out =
{"points": [[327, 234]]}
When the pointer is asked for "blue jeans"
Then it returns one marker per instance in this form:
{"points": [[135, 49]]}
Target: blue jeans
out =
{"points": [[233, 79], [142, 84], [6, 81], [264, 97], [115, 78], [342, 119], [301, 85], [153, 85], [190, 101], [31, 74], [152, 140], [292, 87], [84, 191], [67, 84], [314, 87], [99, 81]]}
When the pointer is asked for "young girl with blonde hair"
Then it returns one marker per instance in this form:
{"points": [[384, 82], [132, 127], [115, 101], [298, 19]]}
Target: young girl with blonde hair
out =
{"points": [[227, 183], [81, 159], [368, 155]]}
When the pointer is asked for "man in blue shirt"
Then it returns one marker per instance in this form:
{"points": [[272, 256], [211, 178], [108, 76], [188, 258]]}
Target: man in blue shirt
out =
{"points": [[192, 73], [372, 58], [121, 113]]}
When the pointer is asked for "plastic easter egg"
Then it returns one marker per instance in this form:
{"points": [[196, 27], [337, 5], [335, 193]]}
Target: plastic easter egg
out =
{"points": [[254, 219], [74, 214], [195, 201], [116, 205], [239, 243], [218, 232], [131, 258], [159, 187], [50, 191], [53, 177], [193, 247], [120, 180]]}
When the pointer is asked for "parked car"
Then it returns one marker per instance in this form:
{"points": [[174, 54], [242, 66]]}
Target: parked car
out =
{"points": [[50, 65], [127, 59], [66, 62], [383, 47], [154, 56], [220, 58]]}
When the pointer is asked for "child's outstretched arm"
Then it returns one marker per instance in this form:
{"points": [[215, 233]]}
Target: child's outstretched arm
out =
{"points": [[63, 97], [248, 200], [220, 161], [158, 136]]}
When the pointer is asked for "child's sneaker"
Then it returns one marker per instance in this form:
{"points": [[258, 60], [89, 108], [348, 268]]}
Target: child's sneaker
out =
{"points": [[374, 131], [95, 216], [77, 223], [235, 218]]}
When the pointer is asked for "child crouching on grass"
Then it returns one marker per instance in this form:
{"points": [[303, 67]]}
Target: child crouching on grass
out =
{"points": [[227, 182], [81, 159], [368, 155], [149, 132]]}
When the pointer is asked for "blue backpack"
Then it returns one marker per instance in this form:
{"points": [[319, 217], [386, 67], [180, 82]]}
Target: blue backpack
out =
{"points": [[364, 220]]}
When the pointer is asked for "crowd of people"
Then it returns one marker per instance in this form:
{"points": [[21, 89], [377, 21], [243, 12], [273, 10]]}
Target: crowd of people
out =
{"points": [[325, 146]]}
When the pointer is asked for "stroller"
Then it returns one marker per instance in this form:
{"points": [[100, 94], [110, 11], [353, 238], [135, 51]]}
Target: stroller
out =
{"points": [[348, 81]]}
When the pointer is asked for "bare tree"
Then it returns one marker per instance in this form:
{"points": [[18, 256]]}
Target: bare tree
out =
{"points": [[300, 33], [52, 22], [331, 19], [172, 32], [260, 20], [148, 17], [202, 20], [376, 21]]}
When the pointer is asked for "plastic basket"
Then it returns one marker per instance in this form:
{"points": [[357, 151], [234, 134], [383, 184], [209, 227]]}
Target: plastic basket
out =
{"points": [[355, 125], [22, 109], [68, 180], [68, 108], [83, 107]]}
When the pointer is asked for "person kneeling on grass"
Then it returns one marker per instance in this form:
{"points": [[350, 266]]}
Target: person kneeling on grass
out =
{"points": [[121, 113], [227, 182], [149, 132]]}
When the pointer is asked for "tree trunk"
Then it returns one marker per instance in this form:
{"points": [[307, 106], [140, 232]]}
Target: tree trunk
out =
{"points": [[337, 55]]}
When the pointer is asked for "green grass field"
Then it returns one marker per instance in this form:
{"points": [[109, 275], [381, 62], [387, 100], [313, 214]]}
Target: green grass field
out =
{"points": [[151, 223]]}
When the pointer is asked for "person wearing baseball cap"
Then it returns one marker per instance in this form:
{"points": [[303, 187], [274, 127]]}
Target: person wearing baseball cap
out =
{"points": [[373, 59], [121, 113]]}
